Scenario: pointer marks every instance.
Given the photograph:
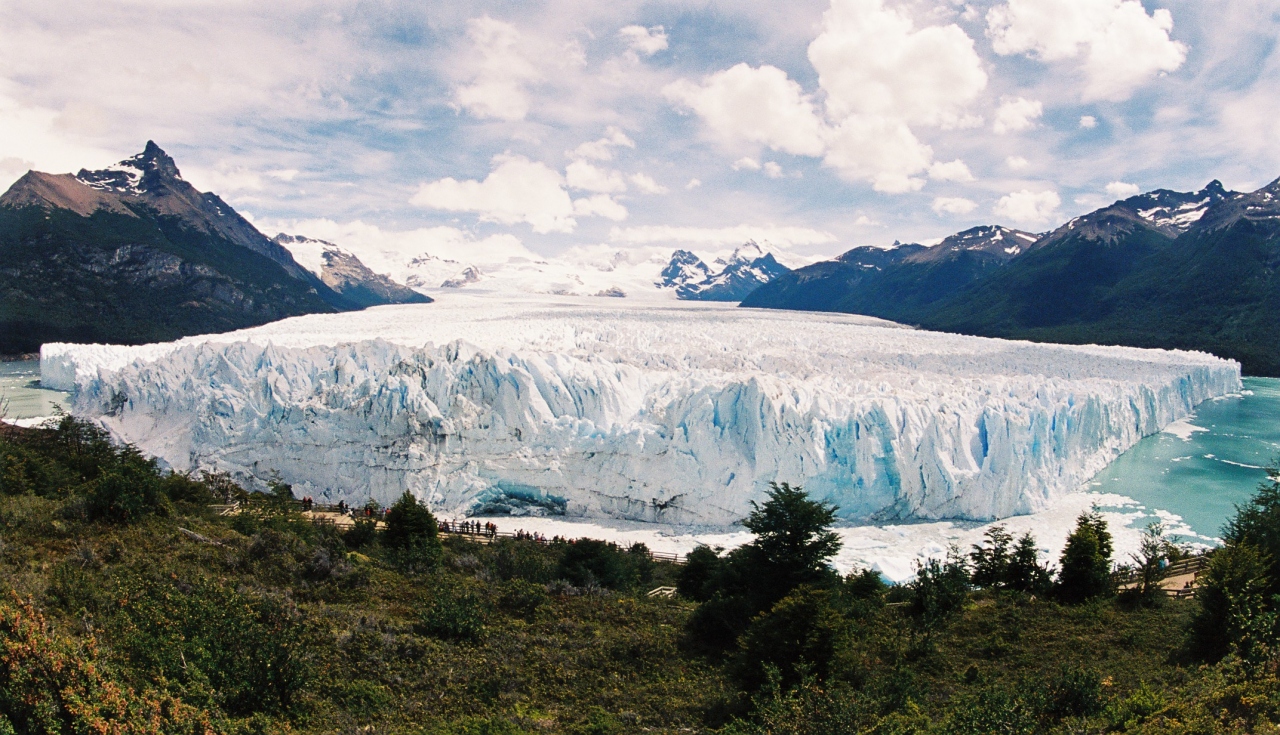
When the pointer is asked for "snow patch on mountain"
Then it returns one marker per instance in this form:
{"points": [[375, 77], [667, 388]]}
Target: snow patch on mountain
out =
{"points": [[672, 412]]}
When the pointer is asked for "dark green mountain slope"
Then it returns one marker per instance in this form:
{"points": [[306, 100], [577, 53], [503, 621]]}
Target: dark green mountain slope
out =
{"points": [[1214, 287], [899, 284], [134, 254]]}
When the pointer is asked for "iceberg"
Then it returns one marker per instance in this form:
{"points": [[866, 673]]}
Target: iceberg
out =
{"points": [[671, 412]]}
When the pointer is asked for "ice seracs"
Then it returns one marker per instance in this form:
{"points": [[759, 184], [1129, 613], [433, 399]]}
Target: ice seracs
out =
{"points": [[660, 411]]}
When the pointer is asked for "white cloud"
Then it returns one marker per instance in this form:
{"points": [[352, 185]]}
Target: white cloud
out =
{"points": [[1016, 115], [781, 236], [284, 174], [746, 162], [646, 184], [600, 205], [1122, 46], [646, 41], [882, 151], [952, 171], [880, 75], [517, 190], [223, 178], [872, 60], [1122, 190], [953, 205], [1088, 122], [1017, 163], [497, 88], [865, 221], [602, 149], [693, 184], [743, 104], [585, 176], [1028, 207], [772, 170]]}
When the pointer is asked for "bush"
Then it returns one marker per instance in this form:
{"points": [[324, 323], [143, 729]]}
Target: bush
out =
{"points": [[411, 535], [990, 712], [1074, 692], [452, 614], [697, 579], [797, 637], [1235, 581], [939, 590], [588, 562], [126, 497], [521, 599], [362, 533]]}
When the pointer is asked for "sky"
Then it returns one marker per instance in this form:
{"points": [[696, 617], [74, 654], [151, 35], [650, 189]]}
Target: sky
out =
{"points": [[815, 125]]}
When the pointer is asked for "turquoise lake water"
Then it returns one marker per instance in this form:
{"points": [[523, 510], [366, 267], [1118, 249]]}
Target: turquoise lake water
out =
{"points": [[1203, 477], [1200, 478]]}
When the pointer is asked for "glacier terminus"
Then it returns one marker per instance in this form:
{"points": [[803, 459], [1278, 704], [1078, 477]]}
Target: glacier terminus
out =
{"points": [[664, 411]]}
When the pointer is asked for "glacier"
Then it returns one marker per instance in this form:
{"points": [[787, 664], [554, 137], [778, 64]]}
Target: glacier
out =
{"points": [[669, 412]]}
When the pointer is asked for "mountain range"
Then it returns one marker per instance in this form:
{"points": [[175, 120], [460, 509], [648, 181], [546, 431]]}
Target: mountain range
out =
{"points": [[133, 253], [742, 273], [1187, 270]]}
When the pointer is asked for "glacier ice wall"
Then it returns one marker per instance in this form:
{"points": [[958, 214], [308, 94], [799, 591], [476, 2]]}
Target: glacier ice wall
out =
{"points": [[677, 413]]}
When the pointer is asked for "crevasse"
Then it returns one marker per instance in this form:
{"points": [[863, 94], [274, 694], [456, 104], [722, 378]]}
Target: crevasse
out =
{"points": [[678, 414]]}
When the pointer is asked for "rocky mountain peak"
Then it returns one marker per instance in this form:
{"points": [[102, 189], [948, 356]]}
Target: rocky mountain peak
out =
{"points": [[148, 171]]}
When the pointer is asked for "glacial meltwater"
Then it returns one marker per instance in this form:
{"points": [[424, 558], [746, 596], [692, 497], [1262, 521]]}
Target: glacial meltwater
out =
{"points": [[21, 396], [1202, 467]]}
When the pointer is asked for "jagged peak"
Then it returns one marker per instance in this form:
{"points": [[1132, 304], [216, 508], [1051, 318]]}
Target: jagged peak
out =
{"points": [[135, 175]]}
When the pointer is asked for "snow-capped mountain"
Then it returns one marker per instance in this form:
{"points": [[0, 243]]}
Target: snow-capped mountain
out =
{"points": [[684, 268], [343, 272], [134, 253], [1163, 212], [1001, 242], [748, 268]]}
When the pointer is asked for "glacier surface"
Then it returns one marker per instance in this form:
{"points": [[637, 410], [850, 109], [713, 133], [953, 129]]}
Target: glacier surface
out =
{"points": [[669, 412]]}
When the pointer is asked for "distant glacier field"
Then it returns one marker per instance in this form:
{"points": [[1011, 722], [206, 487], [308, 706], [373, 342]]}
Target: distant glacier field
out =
{"points": [[667, 412]]}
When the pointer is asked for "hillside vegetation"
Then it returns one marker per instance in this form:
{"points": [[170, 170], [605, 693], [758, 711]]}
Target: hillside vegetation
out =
{"points": [[129, 604]]}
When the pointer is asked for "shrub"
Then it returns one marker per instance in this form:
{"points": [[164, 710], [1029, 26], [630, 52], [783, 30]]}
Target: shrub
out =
{"points": [[521, 599], [697, 579], [796, 637], [452, 614], [588, 562], [126, 497], [939, 590], [1074, 692], [1235, 581], [411, 535], [990, 712], [362, 533]]}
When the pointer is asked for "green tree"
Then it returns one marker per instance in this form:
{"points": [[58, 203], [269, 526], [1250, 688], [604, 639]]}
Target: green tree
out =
{"points": [[1234, 582], [412, 535], [991, 560], [1257, 523], [1085, 569], [939, 590], [797, 637], [1025, 572]]}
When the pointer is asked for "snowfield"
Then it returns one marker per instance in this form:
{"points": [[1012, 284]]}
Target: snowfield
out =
{"points": [[679, 413]]}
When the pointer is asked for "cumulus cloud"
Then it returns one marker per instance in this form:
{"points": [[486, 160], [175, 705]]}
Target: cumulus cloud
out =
{"points": [[746, 162], [588, 177], [602, 149], [772, 170], [1017, 163], [1016, 115], [782, 236], [744, 104], [880, 75], [645, 41], [1122, 190], [951, 171], [1028, 207], [600, 205], [1121, 47], [1088, 122], [872, 60], [498, 85], [646, 184], [693, 184], [953, 205], [517, 190]]}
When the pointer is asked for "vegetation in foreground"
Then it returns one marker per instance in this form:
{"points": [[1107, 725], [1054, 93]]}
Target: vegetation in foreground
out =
{"points": [[130, 605]]}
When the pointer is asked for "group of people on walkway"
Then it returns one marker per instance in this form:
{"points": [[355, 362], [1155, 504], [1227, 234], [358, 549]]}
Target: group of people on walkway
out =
{"points": [[471, 527]]}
